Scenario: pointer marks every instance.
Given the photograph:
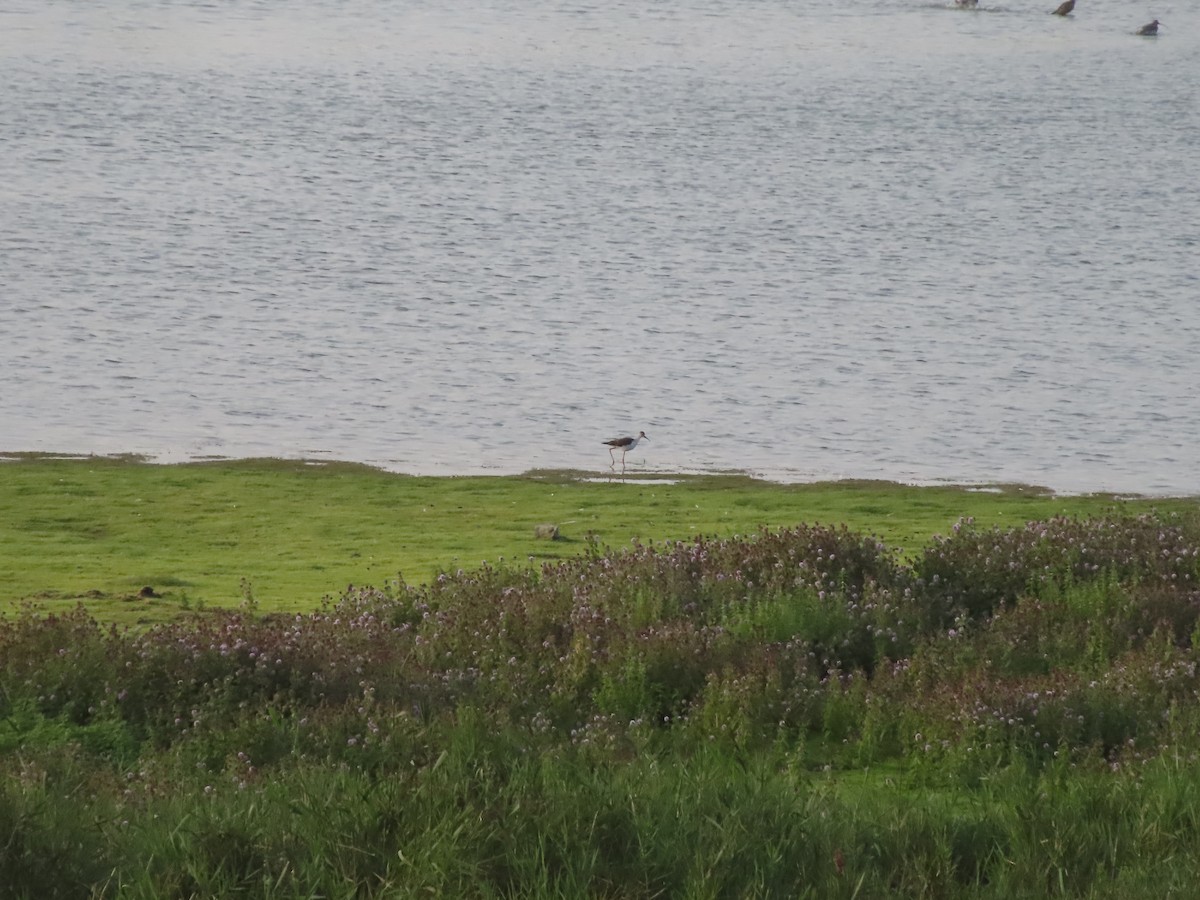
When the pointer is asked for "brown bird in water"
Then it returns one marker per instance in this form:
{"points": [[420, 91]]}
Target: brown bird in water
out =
{"points": [[1150, 30], [1065, 8]]}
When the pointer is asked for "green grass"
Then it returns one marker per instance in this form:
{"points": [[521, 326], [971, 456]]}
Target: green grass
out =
{"points": [[486, 819], [1009, 712], [100, 529]]}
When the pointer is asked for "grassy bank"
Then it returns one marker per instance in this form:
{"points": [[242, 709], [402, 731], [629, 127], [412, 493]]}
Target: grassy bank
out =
{"points": [[99, 530], [1005, 712]]}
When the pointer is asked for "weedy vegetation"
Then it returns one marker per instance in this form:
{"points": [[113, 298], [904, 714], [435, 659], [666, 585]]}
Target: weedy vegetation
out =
{"points": [[1005, 711], [139, 544]]}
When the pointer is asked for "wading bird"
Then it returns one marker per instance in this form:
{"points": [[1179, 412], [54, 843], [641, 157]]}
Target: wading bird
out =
{"points": [[1065, 8], [624, 444], [1150, 30]]}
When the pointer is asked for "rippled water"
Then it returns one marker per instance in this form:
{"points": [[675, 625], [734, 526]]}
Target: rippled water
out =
{"points": [[807, 239]]}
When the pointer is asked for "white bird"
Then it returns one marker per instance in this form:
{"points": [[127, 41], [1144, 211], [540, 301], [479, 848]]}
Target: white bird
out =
{"points": [[624, 444]]}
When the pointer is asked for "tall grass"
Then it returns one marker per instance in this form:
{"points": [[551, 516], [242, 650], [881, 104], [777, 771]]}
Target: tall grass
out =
{"points": [[797, 713]]}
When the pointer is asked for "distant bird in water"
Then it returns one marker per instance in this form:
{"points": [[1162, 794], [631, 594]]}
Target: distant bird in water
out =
{"points": [[624, 444], [966, 4], [1065, 8], [1150, 30]]}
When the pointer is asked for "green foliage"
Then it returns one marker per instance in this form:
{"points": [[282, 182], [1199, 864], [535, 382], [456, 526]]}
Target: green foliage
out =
{"points": [[57, 817], [796, 713], [25, 730]]}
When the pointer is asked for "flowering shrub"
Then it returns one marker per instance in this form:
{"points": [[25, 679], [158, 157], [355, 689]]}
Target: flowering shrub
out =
{"points": [[811, 649], [977, 571], [780, 632]]}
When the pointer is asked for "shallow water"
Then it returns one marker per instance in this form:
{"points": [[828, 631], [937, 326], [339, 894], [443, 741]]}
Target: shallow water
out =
{"points": [[810, 240]]}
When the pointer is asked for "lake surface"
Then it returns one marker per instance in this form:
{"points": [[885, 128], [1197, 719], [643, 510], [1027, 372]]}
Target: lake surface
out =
{"points": [[805, 239]]}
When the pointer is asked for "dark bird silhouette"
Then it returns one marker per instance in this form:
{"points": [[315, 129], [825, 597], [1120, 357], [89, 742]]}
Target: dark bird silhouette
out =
{"points": [[624, 444], [1150, 30], [1065, 8]]}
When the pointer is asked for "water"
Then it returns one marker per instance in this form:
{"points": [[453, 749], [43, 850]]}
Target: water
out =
{"points": [[805, 239]]}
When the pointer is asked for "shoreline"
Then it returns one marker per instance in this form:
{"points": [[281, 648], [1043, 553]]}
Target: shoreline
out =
{"points": [[639, 474]]}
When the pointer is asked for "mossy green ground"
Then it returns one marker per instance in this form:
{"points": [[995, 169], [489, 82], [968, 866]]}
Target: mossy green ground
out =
{"points": [[289, 533]]}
